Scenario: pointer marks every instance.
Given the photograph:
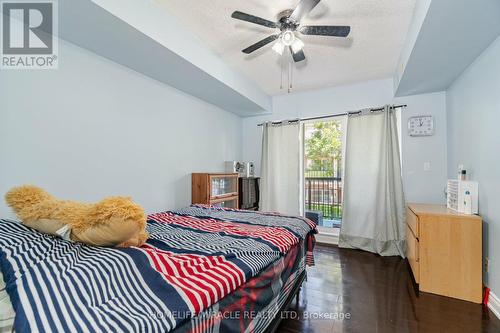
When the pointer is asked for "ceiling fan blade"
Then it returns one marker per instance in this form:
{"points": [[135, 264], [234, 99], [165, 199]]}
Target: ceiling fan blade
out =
{"points": [[325, 30], [253, 19], [260, 44], [299, 56], [302, 9]]}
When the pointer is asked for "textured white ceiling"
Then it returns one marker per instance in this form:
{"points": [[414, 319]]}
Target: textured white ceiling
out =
{"points": [[378, 31]]}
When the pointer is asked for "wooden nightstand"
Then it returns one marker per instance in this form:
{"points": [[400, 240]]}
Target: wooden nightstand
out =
{"points": [[444, 249]]}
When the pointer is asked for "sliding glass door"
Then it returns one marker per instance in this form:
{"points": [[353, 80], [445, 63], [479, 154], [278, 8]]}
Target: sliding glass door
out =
{"points": [[323, 153]]}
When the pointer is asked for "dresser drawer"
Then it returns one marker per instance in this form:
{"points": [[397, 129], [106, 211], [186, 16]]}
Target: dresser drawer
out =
{"points": [[412, 253], [413, 223]]}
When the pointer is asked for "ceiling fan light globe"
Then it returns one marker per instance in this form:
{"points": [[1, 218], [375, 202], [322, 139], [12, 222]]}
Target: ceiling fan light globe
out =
{"points": [[297, 45], [288, 37], [279, 47]]}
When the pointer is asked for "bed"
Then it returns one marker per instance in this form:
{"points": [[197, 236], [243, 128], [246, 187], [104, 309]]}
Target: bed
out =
{"points": [[203, 269]]}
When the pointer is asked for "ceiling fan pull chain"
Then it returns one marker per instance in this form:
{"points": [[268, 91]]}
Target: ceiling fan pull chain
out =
{"points": [[288, 70], [282, 69]]}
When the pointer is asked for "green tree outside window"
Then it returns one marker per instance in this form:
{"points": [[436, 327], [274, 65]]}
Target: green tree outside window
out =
{"points": [[324, 149]]}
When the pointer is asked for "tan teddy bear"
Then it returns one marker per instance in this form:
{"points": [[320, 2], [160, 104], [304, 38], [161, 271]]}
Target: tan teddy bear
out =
{"points": [[114, 221]]}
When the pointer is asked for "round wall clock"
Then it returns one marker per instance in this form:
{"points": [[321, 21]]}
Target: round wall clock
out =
{"points": [[421, 126]]}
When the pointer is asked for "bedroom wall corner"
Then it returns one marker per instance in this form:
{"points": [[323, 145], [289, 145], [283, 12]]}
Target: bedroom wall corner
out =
{"points": [[473, 104]]}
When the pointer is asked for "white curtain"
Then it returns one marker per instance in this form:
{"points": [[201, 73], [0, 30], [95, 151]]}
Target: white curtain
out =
{"points": [[281, 168], [373, 216]]}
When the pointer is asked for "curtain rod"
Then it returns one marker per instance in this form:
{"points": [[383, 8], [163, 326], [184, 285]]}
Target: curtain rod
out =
{"points": [[337, 115]]}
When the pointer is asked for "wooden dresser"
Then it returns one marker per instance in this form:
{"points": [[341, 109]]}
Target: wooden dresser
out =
{"points": [[444, 249], [219, 189]]}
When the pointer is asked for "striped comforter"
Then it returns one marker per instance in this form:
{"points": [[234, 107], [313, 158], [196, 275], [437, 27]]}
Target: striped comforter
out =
{"points": [[195, 257]]}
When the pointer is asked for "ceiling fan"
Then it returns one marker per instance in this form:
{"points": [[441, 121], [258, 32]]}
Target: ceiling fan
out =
{"points": [[289, 25]]}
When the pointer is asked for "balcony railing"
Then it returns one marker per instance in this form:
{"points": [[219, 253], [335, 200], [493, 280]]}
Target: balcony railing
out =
{"points": [[324, 194]]}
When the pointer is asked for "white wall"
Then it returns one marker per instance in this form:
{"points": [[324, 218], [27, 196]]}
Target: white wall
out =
{"points": [[93, 128], [420, 186], [473, 103], [419, 14]]}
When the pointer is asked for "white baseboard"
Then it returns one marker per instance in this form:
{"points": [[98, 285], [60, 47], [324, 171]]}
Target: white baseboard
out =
{"points": [[494, 304]]}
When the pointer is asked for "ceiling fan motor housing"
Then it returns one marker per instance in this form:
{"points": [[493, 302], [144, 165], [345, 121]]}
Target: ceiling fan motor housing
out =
{"points": [[285, 23]]}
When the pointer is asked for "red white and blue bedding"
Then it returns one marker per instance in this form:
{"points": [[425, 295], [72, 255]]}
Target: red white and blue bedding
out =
{"points": [[256, 304], [195, 258]]}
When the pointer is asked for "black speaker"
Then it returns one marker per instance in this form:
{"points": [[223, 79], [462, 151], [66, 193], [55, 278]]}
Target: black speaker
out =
{"points": [[249, 193]]}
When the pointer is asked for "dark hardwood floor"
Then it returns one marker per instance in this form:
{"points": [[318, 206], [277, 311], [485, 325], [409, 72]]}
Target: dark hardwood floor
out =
{"points": [[377, 295]]}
